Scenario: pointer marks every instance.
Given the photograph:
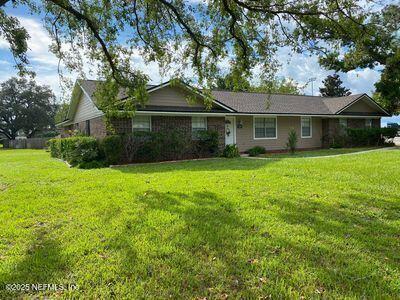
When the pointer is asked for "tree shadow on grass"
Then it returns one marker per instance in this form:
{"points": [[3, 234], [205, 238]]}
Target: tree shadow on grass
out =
{"points": [[41, 264], [159, 246], [220, 164], [354, 250]]}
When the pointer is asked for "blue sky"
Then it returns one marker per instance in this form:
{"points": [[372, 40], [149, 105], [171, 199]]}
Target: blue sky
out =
{"points": [[300, 67]]}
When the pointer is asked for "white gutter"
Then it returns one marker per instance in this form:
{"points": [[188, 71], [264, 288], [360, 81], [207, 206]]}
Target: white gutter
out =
{"points": [[247, 114]]}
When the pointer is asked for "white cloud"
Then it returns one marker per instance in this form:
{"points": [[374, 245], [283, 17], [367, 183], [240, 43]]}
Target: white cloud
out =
{"points": [[3, 43], [362, 81]]}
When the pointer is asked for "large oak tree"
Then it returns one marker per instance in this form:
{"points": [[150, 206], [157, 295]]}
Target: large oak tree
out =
{"points": [[26, 106], [184, 34]]}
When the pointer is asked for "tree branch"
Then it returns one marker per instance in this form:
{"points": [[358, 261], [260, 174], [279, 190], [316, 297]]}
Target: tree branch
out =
{"points": [[187, 28], [93, 27], [3, 2]]}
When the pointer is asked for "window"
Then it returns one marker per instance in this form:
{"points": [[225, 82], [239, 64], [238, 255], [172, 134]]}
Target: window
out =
{"points": [[265, 128], [306, 130], [141, 123], [88, 127], [343, 122], [368, 123], [199, 124]]}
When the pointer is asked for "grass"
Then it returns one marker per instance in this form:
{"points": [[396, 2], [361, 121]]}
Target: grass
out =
{"points": [[240, 228], [316, 153]]}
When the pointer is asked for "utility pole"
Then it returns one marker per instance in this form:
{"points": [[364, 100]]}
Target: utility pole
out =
{"points": [[312, 79]]}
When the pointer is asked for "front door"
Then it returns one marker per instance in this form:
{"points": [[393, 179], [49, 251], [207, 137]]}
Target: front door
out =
{"points": [[230, 131]]}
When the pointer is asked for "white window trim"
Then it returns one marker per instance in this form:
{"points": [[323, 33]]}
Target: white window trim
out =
{"points": [[199, 117], [144, 116], [265, 138], [369, 123], [301, 128]]}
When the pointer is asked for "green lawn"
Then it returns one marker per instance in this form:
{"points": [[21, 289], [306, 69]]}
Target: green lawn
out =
{"points": [[315, 153], [242, 228]]}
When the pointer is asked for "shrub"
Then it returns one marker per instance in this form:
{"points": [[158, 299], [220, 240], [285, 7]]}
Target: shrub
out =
{"points": [[292, 141], [168, 145], [231, 151], [339, 141], [94, 164], [207, 143], [54, 147], [369, 136], [255, 151], [81, 150], [111, 148], [75, 150]]}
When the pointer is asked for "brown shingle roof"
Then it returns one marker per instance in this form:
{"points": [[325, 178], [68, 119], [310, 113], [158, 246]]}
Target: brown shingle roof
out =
{"points": [[262, 103], [245, 102], [90, 87]]}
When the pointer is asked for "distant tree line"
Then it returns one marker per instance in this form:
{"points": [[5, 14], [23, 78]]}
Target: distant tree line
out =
{"points": [[26, 107]]}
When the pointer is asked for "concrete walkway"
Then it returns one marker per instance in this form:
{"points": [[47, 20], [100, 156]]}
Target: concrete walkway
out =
{"points": [[333, 155]]}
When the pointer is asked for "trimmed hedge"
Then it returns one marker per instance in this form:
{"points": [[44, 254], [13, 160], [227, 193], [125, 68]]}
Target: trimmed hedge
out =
{"points": [[88, 153], [369, 136], [169, 145], [111, 147], [75, 150]]}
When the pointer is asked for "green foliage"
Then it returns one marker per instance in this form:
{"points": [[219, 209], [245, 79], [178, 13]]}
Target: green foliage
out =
{"points": [[168, 145], [292, 141], [26, 106], [377, 47], [94, 164], [16, 35], [55, 147], [207, 143], [233, 82], [61, 112], [388, 87], [278, 86], [369, 136], [256, 150], [231, 151], [339, 141], [333, 87], [183, 34], [111, 147], [319, 152], [75, 150]]}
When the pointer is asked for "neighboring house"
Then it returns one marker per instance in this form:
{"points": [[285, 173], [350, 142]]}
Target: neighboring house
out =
{"points": [[242, 118]]}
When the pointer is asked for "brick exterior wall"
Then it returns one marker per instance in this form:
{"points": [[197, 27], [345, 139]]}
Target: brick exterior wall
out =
{"points": [[158, 124], [218, 124], [331, 128], [98, 127], [354, 123], [122, 125], [168, 123], [376, 123], [184, 124]]}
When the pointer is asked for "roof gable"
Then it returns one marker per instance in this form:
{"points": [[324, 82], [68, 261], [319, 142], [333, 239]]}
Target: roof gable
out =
{"points": [[363, 105]]}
